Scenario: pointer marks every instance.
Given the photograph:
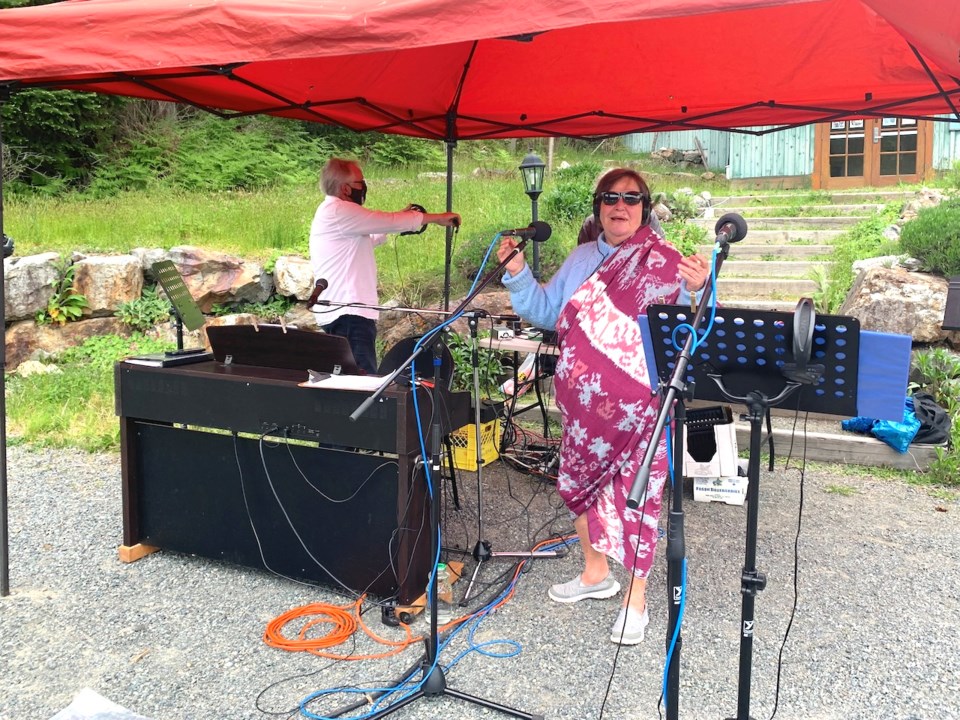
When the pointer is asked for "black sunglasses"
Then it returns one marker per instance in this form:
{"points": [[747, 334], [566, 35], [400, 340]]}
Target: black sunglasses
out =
{"points": [[629, 198]]}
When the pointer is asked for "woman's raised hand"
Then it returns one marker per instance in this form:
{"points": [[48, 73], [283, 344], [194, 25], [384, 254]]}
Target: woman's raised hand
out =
{"points": [[507, 246]]}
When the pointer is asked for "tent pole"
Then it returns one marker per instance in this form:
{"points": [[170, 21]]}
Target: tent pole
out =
{"points": [[4, 535], [448, 248]]}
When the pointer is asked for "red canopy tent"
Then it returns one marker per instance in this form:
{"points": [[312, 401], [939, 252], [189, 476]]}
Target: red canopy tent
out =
{"points": [[457, 70]]}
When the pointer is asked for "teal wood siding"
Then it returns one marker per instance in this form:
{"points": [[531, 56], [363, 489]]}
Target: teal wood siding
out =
{"points": [[716, 144], [779, 154], [946, 144]]}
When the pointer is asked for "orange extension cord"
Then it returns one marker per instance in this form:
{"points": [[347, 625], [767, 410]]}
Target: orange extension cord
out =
{"points": [[346, 618]]}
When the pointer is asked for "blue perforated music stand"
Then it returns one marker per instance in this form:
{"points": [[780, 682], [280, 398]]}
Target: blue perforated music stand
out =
{"points": [[752, 357]]}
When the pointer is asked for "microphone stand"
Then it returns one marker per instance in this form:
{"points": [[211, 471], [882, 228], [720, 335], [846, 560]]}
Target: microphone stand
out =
{"points": [[434, 682], [674, 399]]}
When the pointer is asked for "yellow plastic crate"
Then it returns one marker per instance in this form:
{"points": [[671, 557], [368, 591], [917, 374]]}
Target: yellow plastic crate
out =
{"points": [[464, 443]]}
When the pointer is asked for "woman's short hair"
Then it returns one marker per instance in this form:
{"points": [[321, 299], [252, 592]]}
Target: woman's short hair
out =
{"points": [[611, 177], [336, 171]]}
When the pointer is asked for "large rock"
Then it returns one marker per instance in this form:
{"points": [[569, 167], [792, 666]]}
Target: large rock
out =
{"points": [[925, 198], [108, 281], [147, 257], [29, 284], [293, 277], [217, 278], [395, 325], [28, 341], [301, 318], [892, 300]]}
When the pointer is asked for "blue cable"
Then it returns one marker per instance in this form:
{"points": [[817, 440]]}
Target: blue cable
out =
{"points": [[387, 692], [712, 300]]}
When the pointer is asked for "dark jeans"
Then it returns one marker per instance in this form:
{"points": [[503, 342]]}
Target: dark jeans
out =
{"points": [[361, 333]]}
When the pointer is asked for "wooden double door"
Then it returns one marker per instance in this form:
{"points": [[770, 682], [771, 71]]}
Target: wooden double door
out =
{"points": [[872, 152]]}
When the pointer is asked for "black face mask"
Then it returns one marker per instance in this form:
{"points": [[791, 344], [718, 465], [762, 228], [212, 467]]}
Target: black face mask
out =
{"points": [[358, 195]]}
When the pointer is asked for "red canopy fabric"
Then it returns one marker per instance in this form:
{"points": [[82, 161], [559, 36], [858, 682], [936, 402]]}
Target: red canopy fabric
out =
{"points": [[451, 69]]}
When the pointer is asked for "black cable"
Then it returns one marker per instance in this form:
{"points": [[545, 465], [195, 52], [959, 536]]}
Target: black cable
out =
{"points": [[796, 553]]}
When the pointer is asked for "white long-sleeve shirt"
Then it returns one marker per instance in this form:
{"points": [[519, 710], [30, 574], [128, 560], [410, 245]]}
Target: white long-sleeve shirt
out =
{"points": [[342, 238]]}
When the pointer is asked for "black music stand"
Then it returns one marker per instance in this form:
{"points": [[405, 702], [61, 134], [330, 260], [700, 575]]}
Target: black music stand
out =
{"points": [[185, 309], [759, 359], [282, 347]]}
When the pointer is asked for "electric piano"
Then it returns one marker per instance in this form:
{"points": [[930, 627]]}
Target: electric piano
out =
{"points": [[240, 463]]}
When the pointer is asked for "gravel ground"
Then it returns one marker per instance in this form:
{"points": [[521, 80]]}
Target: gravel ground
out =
{"points": [[875, 633]]}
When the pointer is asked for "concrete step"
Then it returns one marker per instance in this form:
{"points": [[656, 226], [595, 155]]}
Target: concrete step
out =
{"points": [[769, 268], [743, 251], [729, 289], [791, 223], [826, 209], [858, 196], [759, 236], [761, 304]]}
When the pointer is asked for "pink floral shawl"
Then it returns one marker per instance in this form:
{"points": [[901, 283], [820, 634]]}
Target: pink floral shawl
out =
{"points": [[607, 406]]}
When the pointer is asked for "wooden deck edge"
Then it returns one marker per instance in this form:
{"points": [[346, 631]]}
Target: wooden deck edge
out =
{"points": [[132, 553], [846, 448]]}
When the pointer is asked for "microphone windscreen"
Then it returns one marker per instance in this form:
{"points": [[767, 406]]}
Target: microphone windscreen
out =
{"points": [[542, 230], [738, 223]]}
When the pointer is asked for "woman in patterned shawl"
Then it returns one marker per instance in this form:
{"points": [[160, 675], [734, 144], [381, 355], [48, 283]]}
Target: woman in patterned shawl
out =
{"points": [[607, 408]]}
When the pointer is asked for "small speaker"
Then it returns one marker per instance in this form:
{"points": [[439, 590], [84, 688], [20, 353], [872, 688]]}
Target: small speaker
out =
{"points": [[951, 314]]}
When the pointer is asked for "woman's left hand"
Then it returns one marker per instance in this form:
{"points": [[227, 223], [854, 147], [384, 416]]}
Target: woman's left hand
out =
{"points": [[695, 270]]}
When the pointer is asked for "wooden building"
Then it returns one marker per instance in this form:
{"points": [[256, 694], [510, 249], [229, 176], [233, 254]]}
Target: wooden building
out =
{"points": [[872, 152]]}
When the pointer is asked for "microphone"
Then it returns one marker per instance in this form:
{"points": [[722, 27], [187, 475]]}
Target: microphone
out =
{"points": [[731, 228], [317, 289], [537, 231]]}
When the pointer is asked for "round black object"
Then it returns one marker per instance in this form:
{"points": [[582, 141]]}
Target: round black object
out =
{"points": [[418, 208], [934, 420]]}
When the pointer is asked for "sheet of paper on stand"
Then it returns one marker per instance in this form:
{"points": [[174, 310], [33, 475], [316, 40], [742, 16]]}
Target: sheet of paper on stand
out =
{"points": [[362, 383]]}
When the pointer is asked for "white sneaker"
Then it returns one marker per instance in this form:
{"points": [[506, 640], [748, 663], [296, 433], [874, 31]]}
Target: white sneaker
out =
{"points": [[629, 626], [574, 590]]}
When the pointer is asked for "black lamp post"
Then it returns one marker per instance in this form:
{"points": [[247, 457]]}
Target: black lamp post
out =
{"points": [[531, 170]]}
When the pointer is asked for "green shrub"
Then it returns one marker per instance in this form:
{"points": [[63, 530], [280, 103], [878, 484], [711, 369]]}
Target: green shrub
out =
{"points": [[686, 237], [937, 371], [401, 150], [681, 205], [934, 238], [864, 240], [66, 304], [271, 310], [489, 366], [571, 196], [147, 311], [470, 252], [63, 135], [249, 154]]}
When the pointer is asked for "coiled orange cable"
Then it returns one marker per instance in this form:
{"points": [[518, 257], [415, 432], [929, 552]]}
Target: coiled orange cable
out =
{"points": [[344, 620]]}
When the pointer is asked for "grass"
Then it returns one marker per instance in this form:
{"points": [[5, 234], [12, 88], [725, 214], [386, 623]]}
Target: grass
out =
{"points": [[842, 490], [76, 408]]}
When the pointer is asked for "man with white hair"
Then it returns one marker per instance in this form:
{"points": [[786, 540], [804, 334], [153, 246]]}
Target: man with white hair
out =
{"points": [[342, 238]]}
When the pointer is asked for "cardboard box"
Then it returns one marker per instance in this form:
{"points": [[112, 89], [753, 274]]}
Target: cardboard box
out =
{"points": [[723, 462]]}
